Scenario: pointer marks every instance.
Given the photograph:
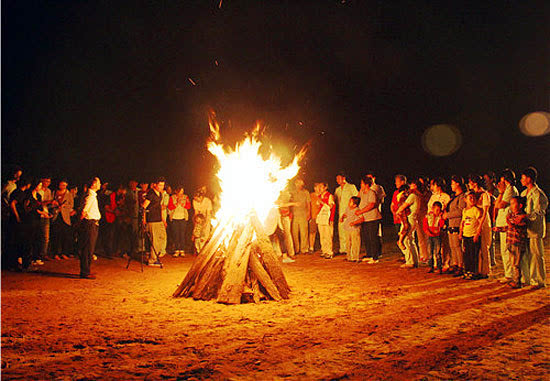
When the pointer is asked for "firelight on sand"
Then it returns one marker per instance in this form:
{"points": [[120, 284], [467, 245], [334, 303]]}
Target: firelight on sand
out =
{"points": [[250, 182]]}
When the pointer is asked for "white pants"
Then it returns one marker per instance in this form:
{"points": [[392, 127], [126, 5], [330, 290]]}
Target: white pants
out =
{"points": [[484, 252], [533, 271], [410, 252], [343, 237], [505, 256], [285, 227], [354, 244], [325, 233]]}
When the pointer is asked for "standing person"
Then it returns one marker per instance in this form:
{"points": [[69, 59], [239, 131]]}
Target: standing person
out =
{"points": [[413, 203], [433, 224], [485, 230], [506, 190], [534, 270], [325, 220], [132, 212], [400, 180], [352, 223], [284, 203], [89, 217], [380, 197], [424, 196], [166, 193], [315, 207], [516, 237], [439, 195], [301, 213], [179, 206], [34, 210], [14, 257], [156, 225], [8, 234], [45, 218], [203, 205], [368, 209], [490, 179], [343, 193], [470, 232], [453, 215], [62, 245]]}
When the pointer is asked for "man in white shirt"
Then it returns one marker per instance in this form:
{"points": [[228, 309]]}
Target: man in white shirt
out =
{"points": [[90, 217], [533, 268], [343, 193], [507, 190]]}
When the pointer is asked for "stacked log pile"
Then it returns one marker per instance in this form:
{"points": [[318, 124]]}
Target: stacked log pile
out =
{"points": [[243, 268]]}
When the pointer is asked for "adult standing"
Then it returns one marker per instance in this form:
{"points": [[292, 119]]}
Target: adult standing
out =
{"points": [[132, 212], [18, 237], [179, 206], [156, 225], [325, 220], [533, 268], [439, 195], [506, 190], [45, 218], [484, 201], [62, 244], [315, 207], [301, 213], [413, 203], [89, 217], [343, 193], [453, 215], [368, 209], [380, 197], [400, 180]]}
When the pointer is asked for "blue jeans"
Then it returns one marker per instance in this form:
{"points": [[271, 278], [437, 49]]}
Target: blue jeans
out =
{"points": [[434, 245]]}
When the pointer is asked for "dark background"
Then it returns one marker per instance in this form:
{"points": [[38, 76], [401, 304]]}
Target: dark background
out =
{"points": [[102, 87]]}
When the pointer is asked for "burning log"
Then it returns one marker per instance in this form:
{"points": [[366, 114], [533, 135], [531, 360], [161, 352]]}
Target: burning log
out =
{"points": [[247, 268]]}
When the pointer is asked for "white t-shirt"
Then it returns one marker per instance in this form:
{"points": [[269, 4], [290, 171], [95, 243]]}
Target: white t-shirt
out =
{"points": [[204, 207]]}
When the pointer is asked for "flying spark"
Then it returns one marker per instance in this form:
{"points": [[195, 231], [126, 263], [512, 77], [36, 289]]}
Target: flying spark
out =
{"points": [[192, 82]]}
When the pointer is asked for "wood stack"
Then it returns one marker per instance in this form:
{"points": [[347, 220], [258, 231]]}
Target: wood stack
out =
{"points": [[245, 269]]}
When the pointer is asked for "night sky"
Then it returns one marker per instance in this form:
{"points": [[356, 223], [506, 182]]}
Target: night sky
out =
{"points": [[106, 87]]}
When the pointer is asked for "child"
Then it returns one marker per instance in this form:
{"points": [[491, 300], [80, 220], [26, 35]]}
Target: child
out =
{"points": [[516, 237], [469, 233], [402, 217], [432, 224], [200, 234], [352, 224]]}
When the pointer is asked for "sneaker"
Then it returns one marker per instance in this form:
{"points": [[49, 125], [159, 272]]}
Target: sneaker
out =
{"points": [[39, 262], [407, 266], [288, 260], [63, 256], [176, 254], [162, 255], [154, 264], [94, 257], [57, 257], [89, 276], [504, 280]]}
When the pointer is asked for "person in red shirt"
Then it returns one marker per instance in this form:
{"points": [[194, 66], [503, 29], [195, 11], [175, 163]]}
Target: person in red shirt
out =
{"points": [[433, 224]]}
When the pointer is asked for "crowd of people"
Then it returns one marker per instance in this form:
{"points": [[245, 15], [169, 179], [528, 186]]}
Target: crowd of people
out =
{"points": [[451, 234]]}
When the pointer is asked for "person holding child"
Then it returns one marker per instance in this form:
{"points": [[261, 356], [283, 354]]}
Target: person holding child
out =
{"points": [[352, 223], [516, 237]]}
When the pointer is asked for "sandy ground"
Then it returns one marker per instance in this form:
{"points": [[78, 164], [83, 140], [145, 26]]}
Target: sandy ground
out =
{"points": [[343, 321]]}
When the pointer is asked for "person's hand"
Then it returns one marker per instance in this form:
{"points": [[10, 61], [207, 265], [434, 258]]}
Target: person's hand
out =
{"points": [[460, 236], [357, 213], [501, 186], [444, 215], [73, 212]]}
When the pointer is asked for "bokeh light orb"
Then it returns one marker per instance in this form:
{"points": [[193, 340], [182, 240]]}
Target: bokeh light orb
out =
{"points": [[441, 140], [535, 124]]}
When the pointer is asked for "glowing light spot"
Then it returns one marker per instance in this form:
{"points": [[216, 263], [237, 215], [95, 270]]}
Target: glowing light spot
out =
{"points": [[535, 124], [441, 140]]}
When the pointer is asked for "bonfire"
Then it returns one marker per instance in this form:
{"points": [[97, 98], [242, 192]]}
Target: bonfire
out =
{"points": [[238, 263]]}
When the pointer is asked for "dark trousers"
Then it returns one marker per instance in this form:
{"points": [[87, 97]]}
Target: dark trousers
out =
{"points": [[108, 239], [44, 237], [471, 254], [179, 232], [88, 240], [62, 237], [434, 245], [369, 235]]}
